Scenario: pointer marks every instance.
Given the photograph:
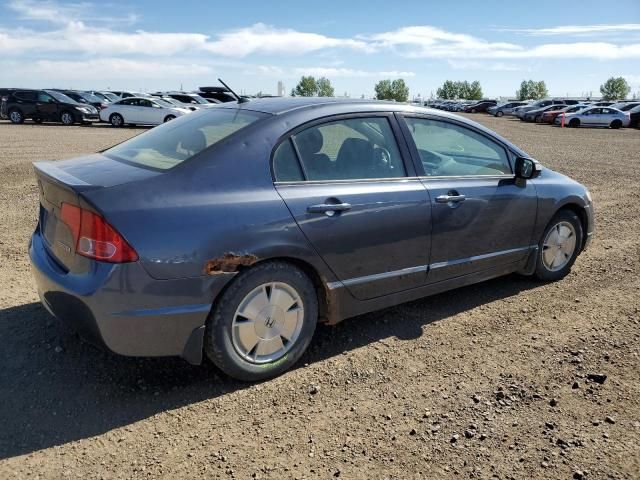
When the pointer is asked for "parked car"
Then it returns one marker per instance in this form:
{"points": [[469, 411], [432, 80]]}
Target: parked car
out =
{"points": [[536, 115], [625, 106], [112, 97], [128, 94], [179, 104], [481, 106], [84, 97], [232, 231], [634, 116], [102, 96], [47, 106], [596, 117], [141, 111], [602, 104], [505, 108], [520, 111], [221, 94], [186, 98], [550, 115]]}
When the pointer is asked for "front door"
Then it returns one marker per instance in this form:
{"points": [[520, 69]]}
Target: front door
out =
{"points": [[46, 106], [358, 202], [482, 218]]}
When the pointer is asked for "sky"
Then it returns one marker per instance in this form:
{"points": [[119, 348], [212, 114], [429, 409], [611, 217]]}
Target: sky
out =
{"points": [[574, 46]]}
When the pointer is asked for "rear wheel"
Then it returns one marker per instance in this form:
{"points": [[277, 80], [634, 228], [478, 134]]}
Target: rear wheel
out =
{"points": [[37, 119], [67, 118], [499, 113], [473, 110], [168, 118], [116, 120], [16, 116], [574, 123], [263, 322], [616, 124], [559, 246]]}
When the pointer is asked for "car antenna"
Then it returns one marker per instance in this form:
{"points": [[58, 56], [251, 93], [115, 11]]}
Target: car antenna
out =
{"points": [[240, 99]]}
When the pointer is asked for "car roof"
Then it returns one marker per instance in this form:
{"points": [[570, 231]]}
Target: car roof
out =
{"points": [[279, 105]]}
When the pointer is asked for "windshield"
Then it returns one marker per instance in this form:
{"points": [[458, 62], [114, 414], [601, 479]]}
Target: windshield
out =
{"points": [[164, 103], [198, 99], [174, 142], [61, 97], [89, 97], [111, 96]]}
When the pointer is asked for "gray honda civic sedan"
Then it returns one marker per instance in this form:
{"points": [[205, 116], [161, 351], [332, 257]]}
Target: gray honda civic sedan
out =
{"points": [[231, 232]]}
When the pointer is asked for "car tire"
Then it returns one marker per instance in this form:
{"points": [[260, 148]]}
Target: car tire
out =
{"points": [[616, 124], [473, 110], [499, 113], [168, 118], [574, 123], [16, 116], [116, 120], [66, 118], [244, 353], [559, 246]]}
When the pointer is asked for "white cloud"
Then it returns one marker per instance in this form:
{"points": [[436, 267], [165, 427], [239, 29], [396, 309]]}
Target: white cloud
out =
{"points": [[261, 38], [54, 12], [576, 29], [331, 72], [484, 65]]}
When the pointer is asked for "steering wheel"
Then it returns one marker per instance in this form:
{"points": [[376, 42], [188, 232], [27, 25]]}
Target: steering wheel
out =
{"points": [[382, 159], [432, 161]]}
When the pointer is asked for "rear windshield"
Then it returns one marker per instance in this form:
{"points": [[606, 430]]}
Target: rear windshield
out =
{"points": [[174, 142]]}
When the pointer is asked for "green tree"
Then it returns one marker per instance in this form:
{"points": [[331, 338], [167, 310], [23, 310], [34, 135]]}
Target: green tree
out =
{"points": [[325, 89], [475, 91], [530, 89], [615, 89], [392, 90], [448, 91], [306, 87]]}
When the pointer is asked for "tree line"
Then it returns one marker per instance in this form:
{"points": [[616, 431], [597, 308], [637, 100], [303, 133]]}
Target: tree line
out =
{"points": [[613, 89]]}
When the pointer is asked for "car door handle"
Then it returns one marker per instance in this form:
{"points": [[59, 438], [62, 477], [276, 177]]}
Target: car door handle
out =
{"points": [[328, 207], [450, 198]]}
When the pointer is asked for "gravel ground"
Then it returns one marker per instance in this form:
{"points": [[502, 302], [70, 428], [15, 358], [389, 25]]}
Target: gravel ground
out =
{"points": [[490, 381]]}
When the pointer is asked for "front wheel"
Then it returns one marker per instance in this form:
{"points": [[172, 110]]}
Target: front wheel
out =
{"points": [[499, 113], [263, 322], [616, 124], [168, 118], [67, 118], [559, 247], [116, 120], [574, 123]]}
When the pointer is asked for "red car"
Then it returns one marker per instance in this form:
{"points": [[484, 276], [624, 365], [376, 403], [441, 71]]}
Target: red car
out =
{"points": [[550, 116]]}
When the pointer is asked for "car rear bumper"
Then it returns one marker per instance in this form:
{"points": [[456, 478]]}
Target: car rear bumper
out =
{"points": [[121, 308]]}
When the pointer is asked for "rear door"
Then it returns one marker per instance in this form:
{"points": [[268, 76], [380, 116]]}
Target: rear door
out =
{"points": [[481, 217], [354, 195], [129, 110]]}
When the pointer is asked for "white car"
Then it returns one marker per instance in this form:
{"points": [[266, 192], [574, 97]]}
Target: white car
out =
{"points": [[596, 117], [141, 111]]}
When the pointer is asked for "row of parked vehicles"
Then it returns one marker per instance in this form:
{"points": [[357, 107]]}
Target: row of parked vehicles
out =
{"points": [[570, 112], [116, 107]]}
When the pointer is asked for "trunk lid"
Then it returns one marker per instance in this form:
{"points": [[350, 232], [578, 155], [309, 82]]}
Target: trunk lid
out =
{"points": [[69, 181]]}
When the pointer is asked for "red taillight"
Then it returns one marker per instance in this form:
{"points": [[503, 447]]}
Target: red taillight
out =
{"points": [[94, 238]]}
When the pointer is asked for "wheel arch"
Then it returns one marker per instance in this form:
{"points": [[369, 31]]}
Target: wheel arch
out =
{"points": [[581, 213]]}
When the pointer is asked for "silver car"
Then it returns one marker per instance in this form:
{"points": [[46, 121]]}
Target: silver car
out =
{"points": [[596, 117]]}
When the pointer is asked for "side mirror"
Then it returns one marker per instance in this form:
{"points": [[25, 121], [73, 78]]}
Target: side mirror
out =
{"points": [[526, 168]]}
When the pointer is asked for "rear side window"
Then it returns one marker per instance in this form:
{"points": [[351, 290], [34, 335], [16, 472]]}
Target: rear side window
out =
{"points": [[285, 164], [30, 96], [174, 142], [349, 149], [447, 149]]}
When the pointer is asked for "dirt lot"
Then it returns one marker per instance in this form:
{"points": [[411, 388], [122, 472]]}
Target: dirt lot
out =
{"points": [[490, 381]]}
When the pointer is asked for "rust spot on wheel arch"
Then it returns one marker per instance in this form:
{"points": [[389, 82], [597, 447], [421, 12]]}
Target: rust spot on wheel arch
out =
{"points": [[228, 263]]}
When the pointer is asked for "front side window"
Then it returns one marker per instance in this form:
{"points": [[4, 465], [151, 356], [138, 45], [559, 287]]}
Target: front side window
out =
{"points": [[172, 143], [45, 98], [349, 149], [447, 149]]}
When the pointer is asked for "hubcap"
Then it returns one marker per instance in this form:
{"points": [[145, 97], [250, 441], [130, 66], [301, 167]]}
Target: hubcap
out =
{"points": [[15, 116], [66, 118], [558, 246], [116, 120], [267, 323]]}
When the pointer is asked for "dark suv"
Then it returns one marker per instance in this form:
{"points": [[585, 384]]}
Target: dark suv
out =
{"points": [[46, 105]]}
